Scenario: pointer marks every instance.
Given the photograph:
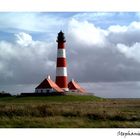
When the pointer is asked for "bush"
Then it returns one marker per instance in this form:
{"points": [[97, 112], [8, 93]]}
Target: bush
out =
{"points": [[3, 94]]}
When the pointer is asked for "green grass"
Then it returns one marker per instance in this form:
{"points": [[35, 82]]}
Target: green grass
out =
{"points": [[71, 111], [66, 98]]}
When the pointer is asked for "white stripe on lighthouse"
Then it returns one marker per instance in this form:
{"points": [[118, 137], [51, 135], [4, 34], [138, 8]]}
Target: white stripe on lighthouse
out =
{"points": [[61, 53], [61, 71]]}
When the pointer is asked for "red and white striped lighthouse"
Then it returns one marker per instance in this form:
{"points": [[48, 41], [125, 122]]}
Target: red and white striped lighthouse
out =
{"points": [[61, 66]]}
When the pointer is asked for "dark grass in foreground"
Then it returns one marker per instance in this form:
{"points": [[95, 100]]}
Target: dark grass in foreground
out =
{"points": [[70, 111]]}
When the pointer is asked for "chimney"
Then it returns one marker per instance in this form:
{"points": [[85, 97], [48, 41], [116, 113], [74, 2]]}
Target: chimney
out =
{"points": [[48, 77]]}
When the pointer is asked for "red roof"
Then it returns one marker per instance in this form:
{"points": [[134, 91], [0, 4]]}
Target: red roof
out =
{"points": [[72, 85], [48, 83]]}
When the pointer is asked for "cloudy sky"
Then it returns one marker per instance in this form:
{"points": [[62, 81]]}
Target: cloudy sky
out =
{"points": [[101, 47]]}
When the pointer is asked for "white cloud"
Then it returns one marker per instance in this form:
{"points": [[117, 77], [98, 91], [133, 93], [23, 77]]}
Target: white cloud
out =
{"points": [[127, 35], [93, 53], [31, 22], [130, 51], [117, 28], [23, 39], [6, 50], [86, 32], [19, 63], [134, 26], [117, 61], [95, 16]]}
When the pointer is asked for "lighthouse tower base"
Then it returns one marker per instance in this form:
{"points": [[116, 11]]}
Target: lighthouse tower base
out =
{"points": [[65, 89]]}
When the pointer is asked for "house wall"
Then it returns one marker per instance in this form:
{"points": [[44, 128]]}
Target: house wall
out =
{"points": [[47, 90]]}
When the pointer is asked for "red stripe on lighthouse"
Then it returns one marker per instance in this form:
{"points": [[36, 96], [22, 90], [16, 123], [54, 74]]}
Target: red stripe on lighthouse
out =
{"points": [[61, 45], [61, 62], [62, 81]]}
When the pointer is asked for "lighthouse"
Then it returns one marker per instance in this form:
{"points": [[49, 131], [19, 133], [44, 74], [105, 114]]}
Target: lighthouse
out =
{"points": [[61, 65], [61, 84]]}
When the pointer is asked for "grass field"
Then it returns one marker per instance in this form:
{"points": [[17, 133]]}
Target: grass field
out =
{"points": [[71, 111]]}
